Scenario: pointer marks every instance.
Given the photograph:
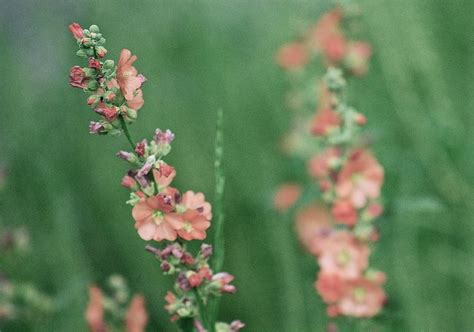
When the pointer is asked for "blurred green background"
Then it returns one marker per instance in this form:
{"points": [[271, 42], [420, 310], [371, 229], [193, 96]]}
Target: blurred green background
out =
{"points": [[201, 55]]}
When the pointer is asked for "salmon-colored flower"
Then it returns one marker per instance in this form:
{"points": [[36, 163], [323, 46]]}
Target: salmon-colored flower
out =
{"points": [[344, 212], [95, 310], [77, 77], [127, 75], [197, 201], [137, 101], [286, 196], [152, 219], [136, 317], [364, 298], [292, 56], [192, 224], [343, 255], [331, 287], [225, 279], [325, 121], [321, 165], [76, 30], [164, 174], [312, 226], [328, 38], [360, 179], [358, 56]]}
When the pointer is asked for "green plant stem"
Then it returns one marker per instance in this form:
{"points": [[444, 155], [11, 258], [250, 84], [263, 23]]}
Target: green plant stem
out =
{"points": [[202, 312], [126, 132], [218, 240]]}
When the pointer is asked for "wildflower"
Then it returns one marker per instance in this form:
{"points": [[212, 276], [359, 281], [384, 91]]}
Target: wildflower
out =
{"points": [[127, 77], [343, 255], [192, 224], [292, 56], [358, 55], [360, 179], [110, 113], [76, 30], [224, 280], [164, 174], [344, 212], [197, 201], [363, 298], [95, 310], [94, 64], [137, 101], [325, 121], [328, 37], [77, 77], [129, 182], [312, 226], [286, 196], [206, 250], [331, 287], [165, 137], [140, 148], [151, 222], [322, 164], [136, 317], [96, 128]]}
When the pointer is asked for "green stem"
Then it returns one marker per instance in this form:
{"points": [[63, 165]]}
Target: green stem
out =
{"points": [[202, 312], [126, 132], [218, 241]]}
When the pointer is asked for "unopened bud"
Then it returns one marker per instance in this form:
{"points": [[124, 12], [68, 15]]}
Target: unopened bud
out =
{"points": [[108, 64], [94, 28], [92, 86], [101, 51]]}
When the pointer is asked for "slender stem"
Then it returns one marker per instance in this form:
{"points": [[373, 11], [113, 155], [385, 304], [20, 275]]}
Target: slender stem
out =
{"points": [[218, 241], [126, 132], [203, 312]]}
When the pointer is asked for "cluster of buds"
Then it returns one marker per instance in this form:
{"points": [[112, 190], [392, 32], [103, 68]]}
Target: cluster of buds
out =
{"points": [[339, 230], [115, 310], [114, 91], [22, 301], [160, 211], [195, 284]]}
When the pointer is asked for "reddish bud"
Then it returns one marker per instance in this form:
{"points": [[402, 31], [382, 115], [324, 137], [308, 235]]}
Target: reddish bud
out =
{"points": [[76, 30], [94, 63]]}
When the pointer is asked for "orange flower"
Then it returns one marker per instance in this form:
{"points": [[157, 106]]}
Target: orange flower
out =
{"points": [[197, 201], [136, 317], [360, 179], [95, 310], [292, 56], [286, 196], [127, 75], [312, 226]]}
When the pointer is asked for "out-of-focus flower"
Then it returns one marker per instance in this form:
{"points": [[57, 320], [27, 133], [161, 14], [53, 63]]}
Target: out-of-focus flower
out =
{"points": [[95, 311], [136, 317], [313, 225], [343, 255], [292, 56], [363, 298], [344, 212], [358, 55], [224, 280], [322, 164], [331, 287], [325, 121], [360, 179], [286, 196]]}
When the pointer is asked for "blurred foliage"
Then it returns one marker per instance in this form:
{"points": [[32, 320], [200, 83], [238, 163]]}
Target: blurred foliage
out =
{"points": [[201, 55]]}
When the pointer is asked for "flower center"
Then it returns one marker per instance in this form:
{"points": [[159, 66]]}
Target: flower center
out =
{"points": [[158, 217], [343, 257], [187, 227], [359, 294]]}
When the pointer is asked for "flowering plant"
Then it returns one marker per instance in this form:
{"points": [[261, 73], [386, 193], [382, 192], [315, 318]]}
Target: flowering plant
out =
{"points": [[160, 211], [338, 230]]}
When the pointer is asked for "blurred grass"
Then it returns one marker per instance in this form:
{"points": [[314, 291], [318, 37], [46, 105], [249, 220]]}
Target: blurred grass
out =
{"points": [[202, 55]]}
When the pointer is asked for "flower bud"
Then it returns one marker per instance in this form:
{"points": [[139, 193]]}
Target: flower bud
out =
{"points": [[94, 63], [131, 113], [206, 250], [101, 51], [82, 53], [76, 30], [77, 77], [140, 148], [110, 96], [360, 119], [87, 42], [92, 85], [127, 156], [92, 100], [194, 279], [94, 28], [96, 128], [129, 182], [108, 64]]}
